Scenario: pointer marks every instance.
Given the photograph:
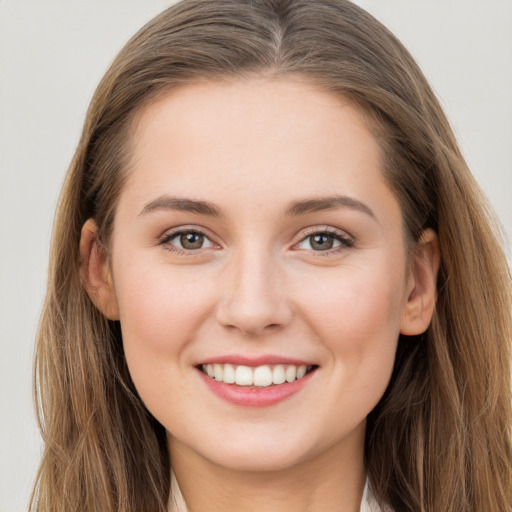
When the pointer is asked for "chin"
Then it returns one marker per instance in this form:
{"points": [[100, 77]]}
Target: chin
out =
{"points": [[257, 460], [262, 451]]}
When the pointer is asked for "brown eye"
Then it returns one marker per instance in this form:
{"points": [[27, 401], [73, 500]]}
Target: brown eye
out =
{"points": [[187, 241], [191, 240], [321, 242]]}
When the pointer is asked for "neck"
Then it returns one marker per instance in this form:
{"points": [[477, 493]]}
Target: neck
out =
{"points": [[331, 481]]}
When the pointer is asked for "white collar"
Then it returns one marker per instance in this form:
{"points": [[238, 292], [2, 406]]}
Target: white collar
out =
{"points": [[368, 503]]}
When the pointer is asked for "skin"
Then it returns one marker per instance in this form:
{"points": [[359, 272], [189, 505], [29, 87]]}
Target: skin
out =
{"points": [[258, 286]]}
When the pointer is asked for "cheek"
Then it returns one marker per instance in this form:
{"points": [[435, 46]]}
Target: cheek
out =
{"points": [[159, 309], [356, 315], [359, 327], [354, 306], [160, 313]]}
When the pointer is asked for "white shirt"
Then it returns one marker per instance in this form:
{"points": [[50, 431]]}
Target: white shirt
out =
{"points": [[368, 503]]}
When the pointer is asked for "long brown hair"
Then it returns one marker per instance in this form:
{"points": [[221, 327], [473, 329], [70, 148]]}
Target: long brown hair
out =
{"points": [[439, 440]]}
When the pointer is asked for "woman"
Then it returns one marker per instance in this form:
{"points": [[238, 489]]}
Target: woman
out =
{"points": [[274, 282]]}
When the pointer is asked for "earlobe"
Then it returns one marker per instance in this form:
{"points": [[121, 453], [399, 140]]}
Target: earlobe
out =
{"points": [[95, 272], [422, 286]]}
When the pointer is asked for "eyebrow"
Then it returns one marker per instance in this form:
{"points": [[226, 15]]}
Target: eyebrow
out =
{"points": [[318, 204], [296, 208], [182, 205]]}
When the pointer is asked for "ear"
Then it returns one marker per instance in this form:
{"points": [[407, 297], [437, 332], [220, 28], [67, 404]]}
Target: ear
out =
{"points": [[95, 272], [421, 286]]}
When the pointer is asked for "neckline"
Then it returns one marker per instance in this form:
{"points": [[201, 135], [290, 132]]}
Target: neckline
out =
{"points": [[177, 502]]}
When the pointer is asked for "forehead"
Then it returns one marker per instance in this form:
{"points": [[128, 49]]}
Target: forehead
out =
{"points": [[251, 103], [253, 139]]}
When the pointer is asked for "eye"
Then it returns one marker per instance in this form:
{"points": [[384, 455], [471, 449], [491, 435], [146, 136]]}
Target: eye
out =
{"points": [[189, 240], [323, 241]]}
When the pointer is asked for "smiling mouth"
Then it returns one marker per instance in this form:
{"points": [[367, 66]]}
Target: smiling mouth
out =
{"points": [[258, 377]]}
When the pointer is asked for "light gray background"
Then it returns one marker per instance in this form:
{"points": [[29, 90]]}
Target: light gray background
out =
{"points": [[53, 53]]}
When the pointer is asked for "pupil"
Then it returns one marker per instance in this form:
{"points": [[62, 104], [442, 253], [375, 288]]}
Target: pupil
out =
{"points": [[191, 240], [322, 242]]}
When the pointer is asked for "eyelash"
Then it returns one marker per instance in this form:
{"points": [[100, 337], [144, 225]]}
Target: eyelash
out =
{"points": [[345, 242], [166, 240]]}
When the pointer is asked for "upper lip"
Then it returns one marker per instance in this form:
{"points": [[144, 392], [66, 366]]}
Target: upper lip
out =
{"points": [[239, 360]]}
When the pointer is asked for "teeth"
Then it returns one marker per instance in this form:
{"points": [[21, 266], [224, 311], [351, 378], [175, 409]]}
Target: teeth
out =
{"points": [[229, 374], [290, 374], [243, 376], [218, 371], [278, 374], [261, 376]]}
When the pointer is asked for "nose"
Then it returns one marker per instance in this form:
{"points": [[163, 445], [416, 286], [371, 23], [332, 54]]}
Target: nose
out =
{"points": [[254, 299]]}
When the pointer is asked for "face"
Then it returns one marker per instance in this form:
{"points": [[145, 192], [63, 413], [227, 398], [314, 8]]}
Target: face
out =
{"points": [[256, 241]]}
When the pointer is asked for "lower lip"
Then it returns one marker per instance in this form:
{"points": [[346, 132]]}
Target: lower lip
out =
{"points": [[255, 397]]}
